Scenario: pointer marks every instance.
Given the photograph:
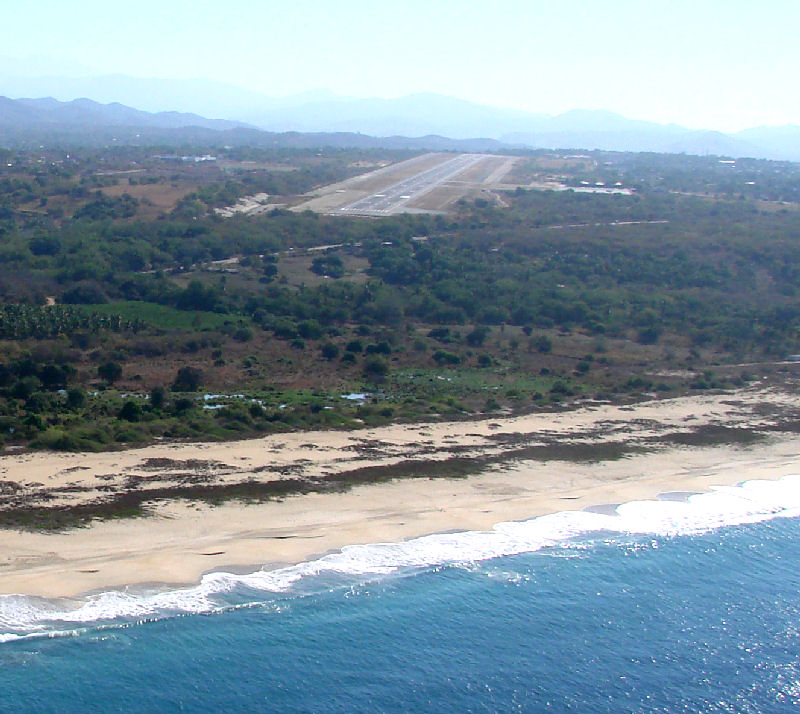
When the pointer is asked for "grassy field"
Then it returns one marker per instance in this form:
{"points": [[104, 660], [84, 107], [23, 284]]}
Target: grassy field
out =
{"points": [[163, 196], [167, 318], [297, 268]]}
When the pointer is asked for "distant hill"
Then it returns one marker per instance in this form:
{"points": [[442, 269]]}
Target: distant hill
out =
{"points": [[30, 122], [658, 139], [775, 141], [413, 115], [434, 121], [85, 113]]}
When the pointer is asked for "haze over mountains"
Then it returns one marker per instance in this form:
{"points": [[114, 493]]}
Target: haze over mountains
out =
{"points": [[162, 104]]}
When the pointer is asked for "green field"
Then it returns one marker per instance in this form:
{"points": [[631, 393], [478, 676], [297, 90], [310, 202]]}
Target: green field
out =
{"points": [[167, 318]]}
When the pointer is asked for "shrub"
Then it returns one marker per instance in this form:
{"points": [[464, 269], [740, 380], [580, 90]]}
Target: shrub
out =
{"points": [[648, 335], [84, 294], [158, 396], [243, 334], [381, 348], [330, 265], [110, 372], [543, 344], [477, 336], [443, 357], [309, 329], [188, 379], [560, 388], [376, 366], [76, 398], [183, 404], [442, 334], [329, 351], [130, 411]]}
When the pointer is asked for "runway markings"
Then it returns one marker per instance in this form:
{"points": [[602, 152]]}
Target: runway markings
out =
{"points": [[395, 197]]}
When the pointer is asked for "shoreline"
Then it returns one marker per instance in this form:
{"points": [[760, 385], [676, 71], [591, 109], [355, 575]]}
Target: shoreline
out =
{"points": [[181, 539]]}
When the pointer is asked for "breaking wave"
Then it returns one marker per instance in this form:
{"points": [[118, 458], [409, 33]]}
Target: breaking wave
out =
{"points": [[749, 502]]}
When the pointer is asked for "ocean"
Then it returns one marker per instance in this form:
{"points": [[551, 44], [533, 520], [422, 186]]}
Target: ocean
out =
{"points": [[690, 603]]}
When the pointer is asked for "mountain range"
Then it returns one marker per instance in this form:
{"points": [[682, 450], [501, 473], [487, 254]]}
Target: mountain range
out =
{"points": [[88, 113], [434, 121]]}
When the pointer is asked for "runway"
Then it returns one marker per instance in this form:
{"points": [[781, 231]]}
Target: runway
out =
{"points": [[428, 183], [394, 198]]}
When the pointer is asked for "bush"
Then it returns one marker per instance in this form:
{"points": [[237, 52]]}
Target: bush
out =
{"points": [[188, 379], [442, 334], [76, 398], [183, 404], [330, 265], [130, 411], [23, 388], [309, 329], [543, 344], [561, 389], [157, 397], [376, 367], [58, 440], [110, 372], [243, 334], [443, 357], [84, 294], [648, 335], [382, 348], [477, 336], [329, 351]]}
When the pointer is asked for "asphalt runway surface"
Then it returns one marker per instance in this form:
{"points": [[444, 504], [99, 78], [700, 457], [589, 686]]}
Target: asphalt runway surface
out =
{"points": [[393, 198]]}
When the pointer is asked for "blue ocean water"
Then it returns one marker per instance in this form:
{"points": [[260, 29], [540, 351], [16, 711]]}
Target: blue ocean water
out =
{"points": [[665, 606]]}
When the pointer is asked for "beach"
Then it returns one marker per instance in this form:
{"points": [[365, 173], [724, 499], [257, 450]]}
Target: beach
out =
{"points": [[288, 498]]}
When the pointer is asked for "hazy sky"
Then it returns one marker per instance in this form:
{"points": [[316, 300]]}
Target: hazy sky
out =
{"points": [[723, 64]]}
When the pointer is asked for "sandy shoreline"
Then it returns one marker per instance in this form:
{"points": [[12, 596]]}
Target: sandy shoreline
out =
{"points": [[523, 472]]}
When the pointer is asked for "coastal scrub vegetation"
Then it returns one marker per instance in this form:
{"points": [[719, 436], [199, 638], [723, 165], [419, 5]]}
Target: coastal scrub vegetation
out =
{"points": [[130, 310]]}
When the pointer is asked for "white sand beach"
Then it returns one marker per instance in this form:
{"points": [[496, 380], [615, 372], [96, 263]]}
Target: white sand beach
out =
{"points": [[522, 469]]}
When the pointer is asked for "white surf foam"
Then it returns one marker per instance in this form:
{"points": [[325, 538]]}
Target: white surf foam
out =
{"points": [[749, 502]]}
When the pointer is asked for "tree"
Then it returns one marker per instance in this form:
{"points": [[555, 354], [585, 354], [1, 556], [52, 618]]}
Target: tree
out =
{"points": [[45, 245], [157, 397], [270, 271], [309, 329], [76, 398], [110, 372], [330, 265], [188, 379], [130, 411], [376, 367], [197, 296], [381, 348], [84, 294], [648, 335], [329, 351], [543, 343], [477, 336], [443, 357]]}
